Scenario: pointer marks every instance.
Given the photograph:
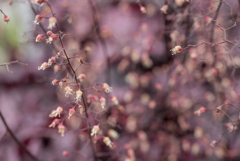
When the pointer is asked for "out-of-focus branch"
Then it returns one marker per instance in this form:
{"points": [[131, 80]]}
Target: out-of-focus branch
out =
{"points": [[102, 41], [12, 62], [16, 139], [213, 26]]}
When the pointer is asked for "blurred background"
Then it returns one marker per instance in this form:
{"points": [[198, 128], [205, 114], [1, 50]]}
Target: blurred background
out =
{"points": [[171, 107]]}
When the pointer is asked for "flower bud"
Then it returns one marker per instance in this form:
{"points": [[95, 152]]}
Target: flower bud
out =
{"points": [[65, 153], [6, 19], [143, 9], [107, 88], [95, 129], [71, 112], [107, 141], [61, 129], [164, 9], [39, 38], [114, 100], [55, 82], [81, 77], [103, 102], [176, 49], [52, 22], [38, 18], [54, 123]]}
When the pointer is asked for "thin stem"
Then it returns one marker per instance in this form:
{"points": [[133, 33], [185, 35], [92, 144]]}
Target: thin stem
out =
{"points": [[102, 41], [16, 139], [79, 86]]}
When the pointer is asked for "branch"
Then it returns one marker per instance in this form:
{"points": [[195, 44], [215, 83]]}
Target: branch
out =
{"points": [[79, 86], [12, 62], [102, 41], [16, 139]]}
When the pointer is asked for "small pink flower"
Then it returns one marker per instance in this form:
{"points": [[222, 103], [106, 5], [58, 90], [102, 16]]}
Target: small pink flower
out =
{"points": [[39, 38], [38, 18], [68, 91], [114, 100], [107, 141], [65, 153], [52, 22], [43, 66], [107, 88], [164, 9], [56, 112], [176, 49], [6, 19], [71, 112], [78, 96], [103, 102], [55, 122], [82, 77], [61, 129], [51, 37], [95, 129]]}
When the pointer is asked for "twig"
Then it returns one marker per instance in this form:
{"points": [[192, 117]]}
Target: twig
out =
{"points": [[12, 62], [16, 139], [102, 41]]}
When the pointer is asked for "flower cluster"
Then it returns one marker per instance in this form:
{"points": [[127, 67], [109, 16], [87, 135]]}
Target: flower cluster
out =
{"points": [[68, 90], [45, 65]]}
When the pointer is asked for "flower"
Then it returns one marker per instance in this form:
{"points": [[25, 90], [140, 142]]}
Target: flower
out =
{"points": [[51, 60], [179, 3], [164, 9], [78, 96], [52, 22], [176, 49], [6, 19], [80, 109], [68, 91], [61, 129], [81, 77], [218, 110], [39, 38], [213, 143], [103, 102], [91, 97], [208, 19], [113, 134], [55, 82], [107, 141], [60, 84], [65, 153], [56, 112], [38, 18], [71, 112], [94, 130], [200, 111], [54, 123], [43, 66], [114, 100], [143, 9], [39, 1], [107, 88], [51, 37]]}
